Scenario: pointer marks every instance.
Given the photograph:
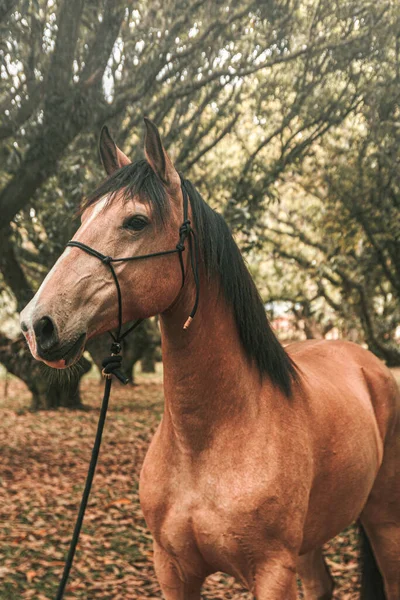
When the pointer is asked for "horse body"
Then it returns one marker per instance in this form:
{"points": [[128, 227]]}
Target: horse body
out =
{"points": [[239, 477], [353, 402], [262, 454]]}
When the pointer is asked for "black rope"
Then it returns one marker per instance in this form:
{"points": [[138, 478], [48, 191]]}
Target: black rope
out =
{"points": [[86, 491], [112, 364]]}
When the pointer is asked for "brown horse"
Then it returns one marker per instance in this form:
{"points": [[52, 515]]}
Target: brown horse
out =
{"points": [[263, 454]]}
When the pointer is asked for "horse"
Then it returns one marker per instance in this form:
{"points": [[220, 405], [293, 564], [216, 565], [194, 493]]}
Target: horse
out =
{"points": [[263, 452]]}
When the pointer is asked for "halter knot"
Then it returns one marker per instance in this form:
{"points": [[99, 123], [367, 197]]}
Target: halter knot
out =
{"points": [[112, 366], [185, 228], [115, 348], [106, 260]]}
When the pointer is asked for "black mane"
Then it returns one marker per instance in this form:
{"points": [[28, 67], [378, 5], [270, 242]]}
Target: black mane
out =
{"points": [[222, 260]]}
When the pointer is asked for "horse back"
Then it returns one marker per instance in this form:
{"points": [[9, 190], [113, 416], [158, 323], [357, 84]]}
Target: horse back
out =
{"points": [[329, 367]]}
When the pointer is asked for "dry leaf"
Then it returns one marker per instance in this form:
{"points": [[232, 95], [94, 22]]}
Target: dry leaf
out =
{"points": [[44, 461], [119, 502], [30, 575]]}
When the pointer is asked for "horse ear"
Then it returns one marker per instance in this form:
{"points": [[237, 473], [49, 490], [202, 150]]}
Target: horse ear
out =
{"points": [[111, 156], [158, 158]]}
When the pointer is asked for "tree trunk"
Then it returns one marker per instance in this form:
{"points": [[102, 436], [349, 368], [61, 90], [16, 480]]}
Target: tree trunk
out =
{"points": [[148, 362], [49, 389], [48, 396], [376, 344]]}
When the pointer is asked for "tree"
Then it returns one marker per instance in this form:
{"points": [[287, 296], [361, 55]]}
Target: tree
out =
{"points": [[268, 81], [66, 69], [339, 218], [48, 390]]}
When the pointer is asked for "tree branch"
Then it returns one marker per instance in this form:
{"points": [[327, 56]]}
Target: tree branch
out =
{"points": [[60, 71]]}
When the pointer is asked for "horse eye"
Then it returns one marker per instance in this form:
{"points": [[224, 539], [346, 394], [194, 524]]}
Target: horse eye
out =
{"points": [[135, 223]]}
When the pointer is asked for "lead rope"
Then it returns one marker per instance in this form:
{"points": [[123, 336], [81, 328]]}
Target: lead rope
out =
{"points": [[112, 364]]}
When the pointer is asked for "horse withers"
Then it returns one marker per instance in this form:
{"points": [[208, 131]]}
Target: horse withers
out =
{"points": [[263, 453]]}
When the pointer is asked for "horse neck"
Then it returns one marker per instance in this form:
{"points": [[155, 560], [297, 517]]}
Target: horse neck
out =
{"points": [[208, 380]]}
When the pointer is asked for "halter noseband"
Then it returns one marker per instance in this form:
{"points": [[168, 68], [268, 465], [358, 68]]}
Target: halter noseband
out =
{"points": [[185, 232]]}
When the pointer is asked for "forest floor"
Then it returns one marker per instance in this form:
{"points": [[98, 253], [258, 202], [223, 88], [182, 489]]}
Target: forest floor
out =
{"points": [[43, 464]]}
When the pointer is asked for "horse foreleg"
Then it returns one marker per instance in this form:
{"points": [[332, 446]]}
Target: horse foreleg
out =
{"points": [[276, 579], [315, 576], [175, 586]]}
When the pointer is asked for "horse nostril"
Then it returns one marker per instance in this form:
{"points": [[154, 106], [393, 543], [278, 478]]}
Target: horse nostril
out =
{"points": [[24, 327], [46, 333]]}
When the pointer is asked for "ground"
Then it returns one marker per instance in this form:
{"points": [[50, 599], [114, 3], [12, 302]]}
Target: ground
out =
{"points": [[44, 459]]}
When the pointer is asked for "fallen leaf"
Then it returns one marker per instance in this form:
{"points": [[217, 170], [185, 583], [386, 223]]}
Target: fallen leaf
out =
{"points": [[30, 575], [118, 502]]}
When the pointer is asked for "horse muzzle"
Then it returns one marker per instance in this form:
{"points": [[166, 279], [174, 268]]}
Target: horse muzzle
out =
{"points": [[45, 343]]}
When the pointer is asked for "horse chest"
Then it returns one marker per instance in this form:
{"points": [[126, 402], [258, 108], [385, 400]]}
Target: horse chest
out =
{"points": [[222, 522], [195, 533], [189, 525]]}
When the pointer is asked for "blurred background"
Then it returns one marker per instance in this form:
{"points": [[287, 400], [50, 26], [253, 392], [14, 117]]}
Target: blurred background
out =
{"points": [[286, 115]]}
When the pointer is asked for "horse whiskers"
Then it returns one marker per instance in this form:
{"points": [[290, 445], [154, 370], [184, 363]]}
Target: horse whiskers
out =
{"points": [[62, 377]]}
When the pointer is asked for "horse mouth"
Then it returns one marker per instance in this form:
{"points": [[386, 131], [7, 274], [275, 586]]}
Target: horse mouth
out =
{"points": [[65, 356]]}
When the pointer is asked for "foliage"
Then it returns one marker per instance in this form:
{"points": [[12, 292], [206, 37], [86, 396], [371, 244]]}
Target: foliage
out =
{"points": [[288, 100], [337, 226]]}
